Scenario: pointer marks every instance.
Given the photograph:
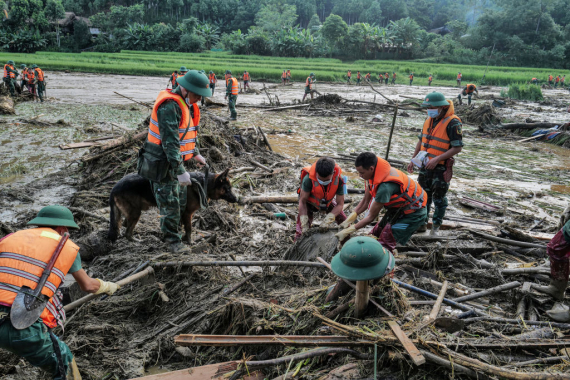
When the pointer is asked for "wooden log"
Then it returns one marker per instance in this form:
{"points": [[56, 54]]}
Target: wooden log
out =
{"points": [[288, 107], [261, 166], [265, 139], [496, 289], [565, 326], [123, 140], [507, 241], [266, 263], [362, 298], [409, 346], [533, 270], [391, 131], [135, 101], [453, 366], [435, 311], [547, 360], [78, 145]]}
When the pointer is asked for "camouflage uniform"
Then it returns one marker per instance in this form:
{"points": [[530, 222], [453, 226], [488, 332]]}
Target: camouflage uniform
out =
{"points": [[432, 181], [232, 99], [9, 82], [41, 87], [170, 196]]}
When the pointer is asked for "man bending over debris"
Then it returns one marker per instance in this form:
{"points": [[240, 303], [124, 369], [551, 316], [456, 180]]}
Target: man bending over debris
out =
{"points": [[171, 140], [322, 188], [404, 200], [468, 91], [558, 250], [441, 139], [24, 255], [309, 86]]}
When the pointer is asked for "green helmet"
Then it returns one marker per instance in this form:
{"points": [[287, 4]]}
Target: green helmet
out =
{"points": [[211, 72], [54, 216], [23, 66], [312, 74], [34, 66], [11, 62], [202, 72], [195, 82], [435, 99], [362, 258], [183, 69]]}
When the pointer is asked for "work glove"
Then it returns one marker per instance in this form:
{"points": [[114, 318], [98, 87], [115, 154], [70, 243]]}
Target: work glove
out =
{"points": [[351, 218], [345, 233], [107, 287], [329, 219], [200, 160], [184, 179], [304, 222]]}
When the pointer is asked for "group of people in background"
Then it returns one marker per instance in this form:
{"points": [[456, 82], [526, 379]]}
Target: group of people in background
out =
{"points": [[31, 79], [286, 77], [552, 81], [382, 78]]}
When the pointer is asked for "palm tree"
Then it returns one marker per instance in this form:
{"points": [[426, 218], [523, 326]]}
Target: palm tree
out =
{"points": [[210, 33]]}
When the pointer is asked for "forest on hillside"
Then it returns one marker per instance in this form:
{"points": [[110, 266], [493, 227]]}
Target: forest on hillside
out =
{"points": [[504, 32]]}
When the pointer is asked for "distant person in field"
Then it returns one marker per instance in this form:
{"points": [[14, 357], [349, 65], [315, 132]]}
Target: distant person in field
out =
{"points": [[288, 76], [386, 76], [284, 77], [367, 78], [358, 77], [321, 189], [232, 90], [246, 80], [557, 81], [394, 77], [534, 81], [550, 79], [411, 78], [441, 139], [468, 91], [349, 77], [309, 86], [459, 78], [32, 87], [39, 81], [10, 74], [213, 80], [380, 78], [430, 79], [562, 80]]}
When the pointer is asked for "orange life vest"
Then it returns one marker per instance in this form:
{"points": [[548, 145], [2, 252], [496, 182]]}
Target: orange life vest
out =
{"points": [[246, 76], [550, 78], [470, 88], [321, 196], [23, 257], [9, 74], [411, 76], [309, 83], [349, 74], [30, 75], [557, 79], [394, 75], [534, 79], [430, 78], [435, 139], [235, 86], [386, 75], [459, 76], [288, 73], [195, 114], [358, 75], [40, 74], [173, 79], [188, 144], [284, 75], [25, 74], [367, 76], [412, 195], [212, 78], [562, 79]]}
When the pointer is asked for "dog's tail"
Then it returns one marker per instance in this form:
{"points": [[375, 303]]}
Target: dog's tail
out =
{"points": [[113, 233]]}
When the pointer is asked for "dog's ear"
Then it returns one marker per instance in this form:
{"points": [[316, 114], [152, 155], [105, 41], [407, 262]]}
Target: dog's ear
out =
{"points": [[222, 176]]}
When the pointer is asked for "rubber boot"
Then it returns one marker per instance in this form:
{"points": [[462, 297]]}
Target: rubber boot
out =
{"points": [[434, 230], [559, 312], [73, 371], [178, 247]]}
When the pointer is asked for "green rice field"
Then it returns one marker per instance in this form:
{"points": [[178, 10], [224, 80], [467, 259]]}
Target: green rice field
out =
{"points": [[270, 68]]}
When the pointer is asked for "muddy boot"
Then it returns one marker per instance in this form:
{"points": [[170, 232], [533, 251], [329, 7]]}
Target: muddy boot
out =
{"points": [[559, 312], [340, 289], [423, 228], [556, 289], [435, 230], [178, 248]]}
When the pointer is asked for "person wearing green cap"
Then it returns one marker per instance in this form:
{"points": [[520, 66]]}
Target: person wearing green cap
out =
{"points": [[441, 139], [172, 80], [309, 86], [213, 80], [24, 76], [10, 74], [39, 81], [232, 90], [23, 256], [172, 140]]}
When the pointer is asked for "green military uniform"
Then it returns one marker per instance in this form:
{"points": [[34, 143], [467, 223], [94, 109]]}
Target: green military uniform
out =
{"points": [[36, 344], [9, 82], [41, 85], [308, 88], [232, 99], [403, 225], [432, 181]]}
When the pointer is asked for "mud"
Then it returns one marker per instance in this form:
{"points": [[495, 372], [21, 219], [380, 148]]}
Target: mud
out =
{"points": [[130, 334]]}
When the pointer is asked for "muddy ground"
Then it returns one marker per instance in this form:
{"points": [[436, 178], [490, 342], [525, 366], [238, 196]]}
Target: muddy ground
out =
{"points": [[130, 334]]}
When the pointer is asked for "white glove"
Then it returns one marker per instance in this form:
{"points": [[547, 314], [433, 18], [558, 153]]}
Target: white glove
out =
{"points": [[201, 160], [184, 179], [106, 287], [351, 218], [345, 233], [304, 222], [329, 219]]}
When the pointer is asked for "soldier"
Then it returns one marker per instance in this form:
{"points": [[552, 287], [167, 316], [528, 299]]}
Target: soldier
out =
{"points": [[459, 78], [213, 80], [309, 86], [386, 77], [172, 80], [171, 140], [246, 80], [394, 77], [10, 75], [430, 79], [321, 189], [411, 78], [441, 139], [40, 81], [358, 78], [232, 90], [468, 91], [23, 257], [288, 76], [348, 76], [387, 187]]}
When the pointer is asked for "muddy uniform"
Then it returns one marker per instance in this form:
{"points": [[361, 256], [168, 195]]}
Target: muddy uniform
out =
{"points": [[432, 181], [10, 75]]}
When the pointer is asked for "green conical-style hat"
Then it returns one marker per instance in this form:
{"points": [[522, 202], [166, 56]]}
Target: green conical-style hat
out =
{"points": [[54, 216], [362, 258], [195, 82]]}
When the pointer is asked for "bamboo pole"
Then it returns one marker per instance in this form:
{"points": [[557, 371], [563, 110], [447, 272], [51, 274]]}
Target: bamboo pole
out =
{"points": [[391, 131], [496, 289], [435, 311], [362, 298]]}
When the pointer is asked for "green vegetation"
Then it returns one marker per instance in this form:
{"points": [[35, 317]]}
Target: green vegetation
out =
{"points": [[523, 92], [270, 68]]}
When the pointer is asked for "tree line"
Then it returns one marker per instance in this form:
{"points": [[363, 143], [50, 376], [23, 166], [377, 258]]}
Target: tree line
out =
{"points": [[506, 32]]}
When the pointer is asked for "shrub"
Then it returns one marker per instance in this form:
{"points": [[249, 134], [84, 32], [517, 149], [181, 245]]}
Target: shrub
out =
{"points": [[190, 42], [523, 92]]}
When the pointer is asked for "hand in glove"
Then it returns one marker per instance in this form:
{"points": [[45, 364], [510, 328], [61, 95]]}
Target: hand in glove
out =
{"points": [[304, 222], [329, 219], [351, 218], [200, 160], [106, 287], [184, 179], [345, 233]]}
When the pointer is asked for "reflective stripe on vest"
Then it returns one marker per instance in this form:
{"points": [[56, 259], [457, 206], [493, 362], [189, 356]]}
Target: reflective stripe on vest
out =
{"points": [[246, 76], [188, 143], [212, 78], [321, 197], [9, 74], [411, 198], [23, 258], [435, 140]]}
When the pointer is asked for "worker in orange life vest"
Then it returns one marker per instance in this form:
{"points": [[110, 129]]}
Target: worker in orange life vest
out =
{"points": [[246, 80], [232, 90], [23, 257], [322, 188], [468, 91], [309, 86]]}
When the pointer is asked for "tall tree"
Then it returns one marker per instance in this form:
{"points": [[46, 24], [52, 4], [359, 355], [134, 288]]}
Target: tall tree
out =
{"points": [[276, 15], [54, 11], [334, 29]]}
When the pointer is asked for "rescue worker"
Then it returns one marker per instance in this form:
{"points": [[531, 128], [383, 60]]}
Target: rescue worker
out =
{"points": [[468, 91], [411, 78], [534, 81], [246, 80], [394, 77], [24, 76], [386, 76], [227, 76], [442, 139], [380, 78], [284, 77], [31, 78], [349, 76], [10, 75], [183, 70], [288, 76], [23, 256], [558, 250], [550, 78], [309, 86], [367, 78], [386, 187], [172, 80], [430, 79], [557, 81], [322, 189], [562, 80], [459, 78], [39, 81], [232, 90], [213, 80], [172, 140], [358, 77]]}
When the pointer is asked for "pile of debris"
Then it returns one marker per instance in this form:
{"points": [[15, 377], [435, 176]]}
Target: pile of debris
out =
{"points": [[479, 115]]}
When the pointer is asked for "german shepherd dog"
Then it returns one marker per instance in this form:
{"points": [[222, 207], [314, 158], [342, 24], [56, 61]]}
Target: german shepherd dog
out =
{"points": [[133, 194]]}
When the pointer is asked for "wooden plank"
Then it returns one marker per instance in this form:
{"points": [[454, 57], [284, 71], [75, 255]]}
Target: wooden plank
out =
{"points": [[437, 306], [267, 340], [532, 137], [78, 145], [409, 346], [210, 371]]}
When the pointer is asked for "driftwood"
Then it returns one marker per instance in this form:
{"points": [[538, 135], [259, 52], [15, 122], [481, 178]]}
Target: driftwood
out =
{"points": [[529, 125], [267, 263], [507, 241], [496, 289]]}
